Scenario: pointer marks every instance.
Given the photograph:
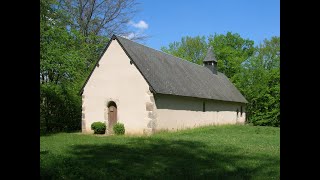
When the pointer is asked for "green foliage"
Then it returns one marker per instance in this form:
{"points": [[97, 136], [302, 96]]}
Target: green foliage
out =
{"points": [[231, 50], [221, 152], [60, 109], [98, 127], [259, 81], [193, 49], [118, 129], [66, 58]]}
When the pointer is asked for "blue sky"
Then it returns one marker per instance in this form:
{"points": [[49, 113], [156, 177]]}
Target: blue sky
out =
{"points": [[166, 21]]}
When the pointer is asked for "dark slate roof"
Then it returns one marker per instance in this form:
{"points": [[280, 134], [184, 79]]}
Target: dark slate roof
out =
{"points": [[210, 56], [167, 74]]}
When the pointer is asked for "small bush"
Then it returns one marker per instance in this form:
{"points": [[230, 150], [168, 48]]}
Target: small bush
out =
{"points": [[98, 127], [118, 129]]}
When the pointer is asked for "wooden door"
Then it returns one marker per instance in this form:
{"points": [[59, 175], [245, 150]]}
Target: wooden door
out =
{"points": [[112, 117]]}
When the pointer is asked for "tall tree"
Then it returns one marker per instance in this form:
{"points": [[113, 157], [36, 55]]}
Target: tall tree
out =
{"points": [[193, 49], [63, 53], [62, 66], [259, 80], [231, 50], [99, 17]]}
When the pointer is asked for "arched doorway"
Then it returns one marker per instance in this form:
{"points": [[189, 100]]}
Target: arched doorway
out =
{"points": [[112, 115]]}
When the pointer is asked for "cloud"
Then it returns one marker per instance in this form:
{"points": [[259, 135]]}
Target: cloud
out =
{"points": [[136, 30], [140, 25], [129, 36]]}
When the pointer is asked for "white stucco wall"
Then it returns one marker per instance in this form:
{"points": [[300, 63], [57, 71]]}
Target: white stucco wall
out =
{"points": [[174, 112], [116, 80]]}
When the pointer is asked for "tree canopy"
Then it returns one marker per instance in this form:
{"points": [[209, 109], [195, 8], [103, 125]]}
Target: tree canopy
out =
{"points": [[259, 81], [231, 50], [193, 49]]}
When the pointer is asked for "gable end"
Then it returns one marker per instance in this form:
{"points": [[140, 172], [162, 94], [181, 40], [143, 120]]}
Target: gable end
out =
{"points": [[131, 62]]}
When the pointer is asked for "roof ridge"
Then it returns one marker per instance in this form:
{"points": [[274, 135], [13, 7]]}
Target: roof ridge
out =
{"points": [[160, 51]]}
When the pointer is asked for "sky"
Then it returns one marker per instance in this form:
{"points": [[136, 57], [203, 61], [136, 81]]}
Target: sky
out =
{"points": [[166, 21]]}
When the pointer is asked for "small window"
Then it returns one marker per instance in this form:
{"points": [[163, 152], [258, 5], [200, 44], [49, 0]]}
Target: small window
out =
{"points": [[204, 107], [237, 112], [241, 111]]}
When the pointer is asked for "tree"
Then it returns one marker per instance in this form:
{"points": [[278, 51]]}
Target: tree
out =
{"points": [[259, 81], [63, 52], [231, 50], [64, 64], [97, 20], [193, 49], [99, 17]]}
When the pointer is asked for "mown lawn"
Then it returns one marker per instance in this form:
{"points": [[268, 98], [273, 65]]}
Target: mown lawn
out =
{"points": [[221, 152]]}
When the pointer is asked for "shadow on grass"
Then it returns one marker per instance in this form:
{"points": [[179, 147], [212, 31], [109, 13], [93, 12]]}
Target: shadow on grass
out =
{"points": [[48, 134], [148, 158]]}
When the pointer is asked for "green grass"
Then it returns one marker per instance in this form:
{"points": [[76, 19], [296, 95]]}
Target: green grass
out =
{"points": [[223, 152]]}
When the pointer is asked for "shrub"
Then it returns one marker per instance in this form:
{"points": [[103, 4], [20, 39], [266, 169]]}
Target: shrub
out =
{"points": [[118, 129], [98, 127]]}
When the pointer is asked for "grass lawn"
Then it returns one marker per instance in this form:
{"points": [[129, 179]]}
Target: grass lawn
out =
{"points": [[221, 152]]}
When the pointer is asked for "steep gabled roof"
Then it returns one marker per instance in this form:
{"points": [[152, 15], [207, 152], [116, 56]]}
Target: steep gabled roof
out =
{"points": [[167, 74]]}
